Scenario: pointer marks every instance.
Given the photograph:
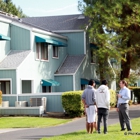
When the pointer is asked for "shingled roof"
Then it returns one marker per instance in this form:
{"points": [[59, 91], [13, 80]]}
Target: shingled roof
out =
{"points": [[57, 23], [71, 64], [14, 59]]}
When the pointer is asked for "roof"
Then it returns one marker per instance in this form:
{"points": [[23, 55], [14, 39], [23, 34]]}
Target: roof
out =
{"points": [[57, 23], [14, 59], [70, 64]]}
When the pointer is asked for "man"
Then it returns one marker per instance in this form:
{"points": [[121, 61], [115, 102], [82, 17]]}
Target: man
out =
{"points": [[88, 99], [123, 107], [103, 104]]}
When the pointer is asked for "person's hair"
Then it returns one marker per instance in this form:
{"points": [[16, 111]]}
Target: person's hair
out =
{"points": [[91, 82], [104, 82], [124, 82]]}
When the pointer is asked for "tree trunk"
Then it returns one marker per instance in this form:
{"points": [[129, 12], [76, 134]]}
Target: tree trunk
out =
{"points": [[125, 67]]}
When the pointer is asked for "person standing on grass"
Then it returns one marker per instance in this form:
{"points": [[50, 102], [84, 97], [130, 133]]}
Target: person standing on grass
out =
{"points": [[123, 107], [88, 99], [103, 104]]}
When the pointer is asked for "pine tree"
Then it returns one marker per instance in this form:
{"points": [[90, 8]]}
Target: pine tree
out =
{"points": [[8, 7], [115, 28]]}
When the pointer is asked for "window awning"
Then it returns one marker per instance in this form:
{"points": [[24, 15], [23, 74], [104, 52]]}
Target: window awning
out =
{"points": [[84, 81], [50, 41], [94, 46], [49, 82], [3, 37]]}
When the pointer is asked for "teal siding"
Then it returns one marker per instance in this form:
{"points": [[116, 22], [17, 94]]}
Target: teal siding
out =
{"points": [[86, 70], [11, 100], [4, 45], [20, 38], [75, 42], [66, 83], [11, 74]]}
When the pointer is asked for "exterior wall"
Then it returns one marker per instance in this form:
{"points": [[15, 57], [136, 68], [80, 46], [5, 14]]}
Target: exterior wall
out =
{"points": [[4, 45], [66, 82], [86, 70], [20, 38], [75, 43], [10, 75], [38, 69], [54, 100]]}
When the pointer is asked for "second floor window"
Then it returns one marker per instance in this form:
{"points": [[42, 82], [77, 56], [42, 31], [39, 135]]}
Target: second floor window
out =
{"points": [[55, 51], [42, 51]]}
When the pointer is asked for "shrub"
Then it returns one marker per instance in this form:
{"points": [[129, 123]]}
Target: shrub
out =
{"points": [[113, 98], [72, 103]]}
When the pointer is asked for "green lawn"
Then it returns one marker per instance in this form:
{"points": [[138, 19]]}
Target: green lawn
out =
{"points": [[30, 122], [114, 133]]}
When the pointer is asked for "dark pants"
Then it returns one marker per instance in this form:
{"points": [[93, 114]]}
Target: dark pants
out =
{"points": [[103, 112], [124, 116]]}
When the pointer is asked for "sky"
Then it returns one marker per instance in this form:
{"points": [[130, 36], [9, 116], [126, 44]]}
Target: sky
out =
{"points": [[34, 8]]}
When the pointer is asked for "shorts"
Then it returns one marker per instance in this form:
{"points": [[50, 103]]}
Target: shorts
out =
{"points": [[91, 114]]}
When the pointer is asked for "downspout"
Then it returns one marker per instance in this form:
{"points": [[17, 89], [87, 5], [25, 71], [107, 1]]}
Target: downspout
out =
{"points": [[113, 83], [73, 82]]}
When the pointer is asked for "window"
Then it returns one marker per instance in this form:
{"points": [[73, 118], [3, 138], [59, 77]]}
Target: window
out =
{"points": [[46, 89], [42, 51], [93, 57], [55, 51], [5, 87], [26, 86]]}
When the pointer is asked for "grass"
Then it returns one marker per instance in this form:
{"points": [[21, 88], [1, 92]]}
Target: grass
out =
{"points": [[30, 122], [114, 133]]}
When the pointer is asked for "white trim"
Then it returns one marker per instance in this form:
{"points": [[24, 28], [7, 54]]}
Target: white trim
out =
{"points": [[37, 94], [80, 64], [8, 68], [69, 74], [21, 25], [84, 42], [67, 31], [74, 82], [48, 33], [7, 79], [5, 20]]}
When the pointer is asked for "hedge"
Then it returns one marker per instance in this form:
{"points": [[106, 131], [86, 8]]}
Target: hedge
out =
{"points": [[72, 103]]}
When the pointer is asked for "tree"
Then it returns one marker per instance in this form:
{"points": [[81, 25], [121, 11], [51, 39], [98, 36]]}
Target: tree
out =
{"points": [[115, 28], [8, 7]]}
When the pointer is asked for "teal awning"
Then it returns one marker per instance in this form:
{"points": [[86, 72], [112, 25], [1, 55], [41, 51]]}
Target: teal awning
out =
{"points": [[97, 81], [50, 41], [3, 37], [49, 82], [84, 81], [94, 46]]}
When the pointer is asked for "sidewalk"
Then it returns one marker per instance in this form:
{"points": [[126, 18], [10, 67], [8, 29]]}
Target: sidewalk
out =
{"points": [[75, 125]]}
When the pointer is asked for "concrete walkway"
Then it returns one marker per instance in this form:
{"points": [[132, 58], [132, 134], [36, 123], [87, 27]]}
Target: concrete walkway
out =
{"points": [[76, 125]]}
